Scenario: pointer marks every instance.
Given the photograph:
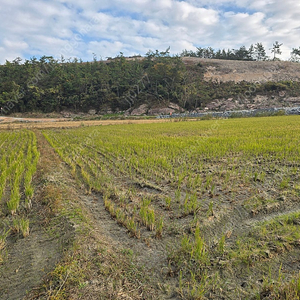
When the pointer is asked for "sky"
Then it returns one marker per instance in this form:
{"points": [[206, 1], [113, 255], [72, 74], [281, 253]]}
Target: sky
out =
{"points": [[104, 28]]}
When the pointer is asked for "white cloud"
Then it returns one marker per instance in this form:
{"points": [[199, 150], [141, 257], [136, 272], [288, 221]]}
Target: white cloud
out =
{"points": [[38, 27], [11, 44], [106, 48]]}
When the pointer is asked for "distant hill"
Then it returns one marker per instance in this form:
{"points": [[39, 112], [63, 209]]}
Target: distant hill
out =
{"points": [[149, 85]]}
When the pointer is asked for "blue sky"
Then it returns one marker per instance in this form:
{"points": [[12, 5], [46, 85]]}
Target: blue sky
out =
{"points": [[79, 28]]}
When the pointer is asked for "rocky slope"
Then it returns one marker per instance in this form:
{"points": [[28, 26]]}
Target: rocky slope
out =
{"points": [[227, 71]]}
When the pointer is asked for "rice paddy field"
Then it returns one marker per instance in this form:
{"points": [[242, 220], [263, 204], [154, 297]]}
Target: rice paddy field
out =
{"points": [[204, 209], [18, 161]]}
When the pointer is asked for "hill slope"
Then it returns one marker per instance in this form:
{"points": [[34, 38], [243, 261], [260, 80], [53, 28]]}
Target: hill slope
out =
{"points": [[125, 84], [250, 71]]}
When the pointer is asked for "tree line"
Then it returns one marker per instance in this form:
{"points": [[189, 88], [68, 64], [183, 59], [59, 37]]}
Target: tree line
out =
{"points": [[255, 52]]}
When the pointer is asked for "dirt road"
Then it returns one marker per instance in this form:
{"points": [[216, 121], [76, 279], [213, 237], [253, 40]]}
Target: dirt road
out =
{"points": [[16, 123]]}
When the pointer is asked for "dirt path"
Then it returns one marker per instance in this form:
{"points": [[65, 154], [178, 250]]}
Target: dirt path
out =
{"points": [[27, 120], [29, 260], [52, 123]]}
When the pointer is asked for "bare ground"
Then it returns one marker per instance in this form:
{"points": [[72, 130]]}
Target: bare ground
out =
{"points": [[250, 71], [30, 123], [29, 260]]}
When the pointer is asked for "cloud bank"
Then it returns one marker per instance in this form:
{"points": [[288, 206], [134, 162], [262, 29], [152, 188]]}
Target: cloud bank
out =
{"points": [[83, 28]]}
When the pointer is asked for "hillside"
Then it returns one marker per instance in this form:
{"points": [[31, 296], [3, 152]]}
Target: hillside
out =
{"points": [[250, 71], [268, 83], [242, 85], [151, 85]]}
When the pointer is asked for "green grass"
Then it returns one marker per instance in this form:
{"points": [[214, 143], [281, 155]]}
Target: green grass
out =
{"points": [[18, 161]]}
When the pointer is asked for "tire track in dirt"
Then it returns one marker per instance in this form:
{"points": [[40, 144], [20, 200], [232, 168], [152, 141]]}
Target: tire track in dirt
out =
{"points": [[28, 261], [240, 222], [153, 257]]}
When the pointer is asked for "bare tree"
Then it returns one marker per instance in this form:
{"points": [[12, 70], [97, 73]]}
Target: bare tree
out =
{"points": [[276, 49]]}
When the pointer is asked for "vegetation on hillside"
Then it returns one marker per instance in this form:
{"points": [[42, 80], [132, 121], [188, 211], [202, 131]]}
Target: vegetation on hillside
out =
{"points": [[50, 85]]}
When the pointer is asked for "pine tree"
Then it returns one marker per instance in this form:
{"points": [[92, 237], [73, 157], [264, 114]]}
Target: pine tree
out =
{"points": [[259, 52]]}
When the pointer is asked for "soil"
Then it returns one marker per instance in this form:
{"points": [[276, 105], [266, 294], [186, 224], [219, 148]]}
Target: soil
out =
{"points": [[250, 71], [29, 260], [152, 257], [239, 221]]}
